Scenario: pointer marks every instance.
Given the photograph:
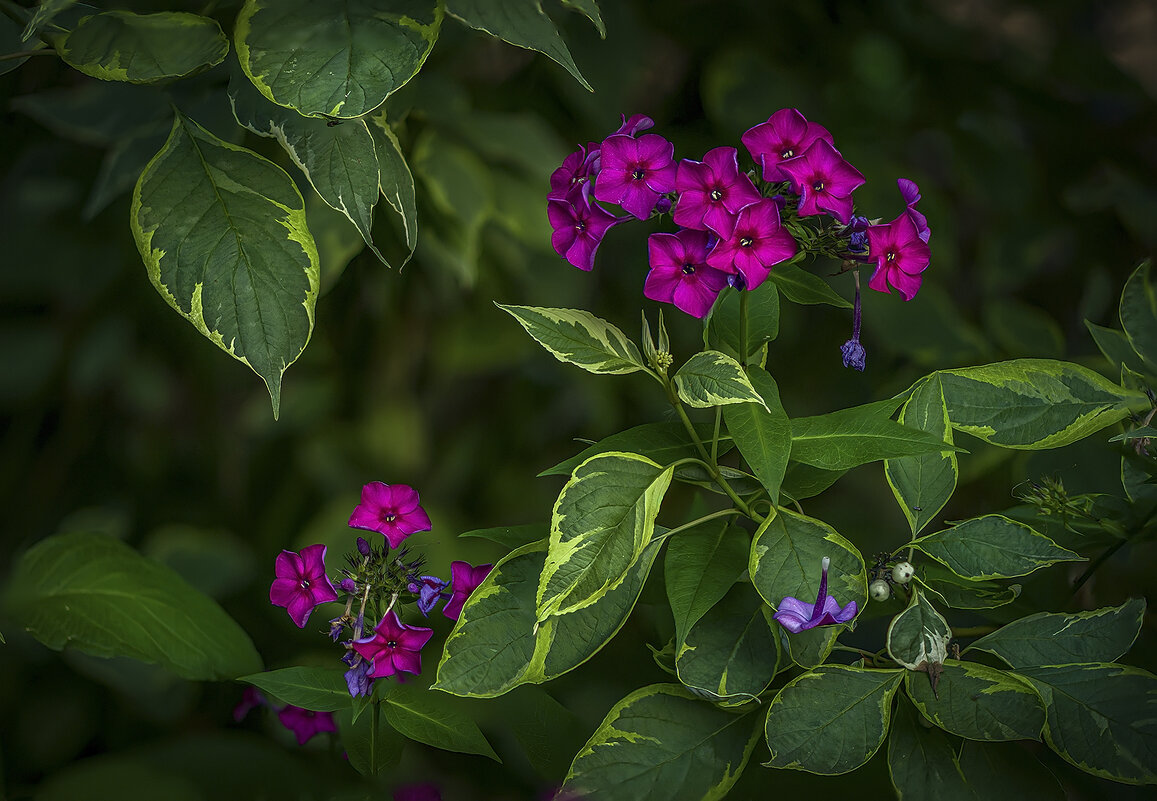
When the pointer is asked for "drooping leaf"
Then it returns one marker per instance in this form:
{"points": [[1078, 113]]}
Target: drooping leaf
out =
{"points": [[578, 337], [923, 484], [98, 595], [522, 23], [1115, 347], [800, 286], [1048, 638], [762, 433], [978, 702], [122, 166], [803, 481], [590, 10], [701, 565], [710, 378], [1139, 312], [1033, 403], [603, 519], [918, 637], [662, 742], [222, 232], [395, 180], [319, 689], [432, 718], [1101, 717], [143, 48], [993, 546], [664, 443], [335, 62], [831, 719], [511, 537]]}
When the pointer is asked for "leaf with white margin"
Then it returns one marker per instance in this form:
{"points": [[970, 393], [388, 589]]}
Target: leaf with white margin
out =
{"points": [[978, 702], [578, 337], [711, 378], [143, 48], [918, 637]]}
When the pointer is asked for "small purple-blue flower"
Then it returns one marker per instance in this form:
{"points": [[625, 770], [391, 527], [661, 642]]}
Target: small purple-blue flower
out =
{"points": [[796, 616]]}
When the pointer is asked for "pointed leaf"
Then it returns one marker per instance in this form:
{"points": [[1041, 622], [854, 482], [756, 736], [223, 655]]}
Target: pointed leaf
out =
{"points": [[830, 720], [918, 637], [762, 320], [590, 10], [955, 592], [1008, 772], [335, 61], [394, 178], [602, 521], [662, 742], [800, 286], [143, 48], [432, 718], [711, 378], [98, 595], [45, 11], [511, 537], [1115, 347], [923, 484], [701, 565], [1139, 312], [993, 546], [371, 749], [579, 338], [762, 433], [978, 702], [223, 234], [319, 689], [663, 443]]}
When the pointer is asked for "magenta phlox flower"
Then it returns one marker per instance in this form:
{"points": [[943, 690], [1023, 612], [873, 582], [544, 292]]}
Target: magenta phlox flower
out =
{"points": [[464, 579], [636, 124], [635, 172], [911, 194], [680, 273], [785, 135], [395, 647], [429, 592], [712, 191], [391, 510], [900, 254], [305, 723], [425, 791], [796, 616], [757, 243], [823, 180], [301, 583], [572, 171], [579, 226]]}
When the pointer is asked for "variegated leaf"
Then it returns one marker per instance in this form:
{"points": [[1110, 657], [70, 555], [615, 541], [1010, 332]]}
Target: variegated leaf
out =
{"points": [[711, 378], [143, 48], [978, 702], [918, 637], [578, 337], [993, 546]]}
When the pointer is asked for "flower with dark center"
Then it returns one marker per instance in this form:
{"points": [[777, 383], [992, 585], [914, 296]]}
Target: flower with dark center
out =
{"points": [[900, 254], [823, 180], [757, 242], [394, 647], [785, 135], [635, 172], [301, 583], [391, 510], [711, 192], [680, 273]]}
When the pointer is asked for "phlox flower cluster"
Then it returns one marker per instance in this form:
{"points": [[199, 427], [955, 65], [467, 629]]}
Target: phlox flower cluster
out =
{"points": [[375, 584], [734, 225]]}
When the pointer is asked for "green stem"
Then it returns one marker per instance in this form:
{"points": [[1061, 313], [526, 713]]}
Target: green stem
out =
{"points": [[44, 51], [743, 328], [871, 657], [973, 631], [697, 522], [374, 740], [715, 436], [1100, 560]]}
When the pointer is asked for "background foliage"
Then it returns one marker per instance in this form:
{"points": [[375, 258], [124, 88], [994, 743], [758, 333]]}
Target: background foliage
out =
{"points": [[1028, 126]]}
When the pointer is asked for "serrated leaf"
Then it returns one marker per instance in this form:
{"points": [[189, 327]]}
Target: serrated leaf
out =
{"points": [[1048, 638], [800, 286], [993, 546], [521, 23], [222, 232], [98, 595], [143, 48], [918, 637], [428, 717], [602, 521], [830, 720], [978, 702], [319, 689], [578, 337], [334, 61], [762, 434], [923, 484], [661, 741], [711, 378], [701, 565]]}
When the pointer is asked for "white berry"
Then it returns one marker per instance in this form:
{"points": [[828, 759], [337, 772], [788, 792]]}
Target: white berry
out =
{"points": [[879, 590], [902, 572]]}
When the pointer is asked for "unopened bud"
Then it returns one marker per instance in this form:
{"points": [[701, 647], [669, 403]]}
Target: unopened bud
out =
{"points": [[363, 546]]}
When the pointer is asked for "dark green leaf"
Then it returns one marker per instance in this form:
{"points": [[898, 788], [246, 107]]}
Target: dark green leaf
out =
{"points": [[762, 433], [434, 719], [1046, 638], [395, 180], [143, 48], [373, 746], [1139, 312], [923, 484], [923, 761], [319, 689], [663, 443], [978, 702], [762, 320], [993, 546], [800, 286], [1115, 347], [701, 565], [961, 593], [510, 536]]}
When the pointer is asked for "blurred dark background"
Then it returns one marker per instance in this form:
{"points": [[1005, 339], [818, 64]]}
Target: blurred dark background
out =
{"points": [[1030, 127]]}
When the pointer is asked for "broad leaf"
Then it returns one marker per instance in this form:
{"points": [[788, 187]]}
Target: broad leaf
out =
{"points": [[978, 702], [800, 286], [96, 594], [511, 537], [319, 689], [923, 761], [918, 637], [1139, 312], [762, 320], [663, 443], [923, 484], [803, 481], [521, 23], [578, 337], [334, 61], [431, 718], [1033, 403], [143, 48], [711, 378], [395, 180], [603, 519], [1115, 347], [1047, 638], [1008, 772], [222, 232], [662, 742], [961, 593], [993, 546], [1102, 718], [701, 565], [830, 720], [373, 747], [762, 433]]}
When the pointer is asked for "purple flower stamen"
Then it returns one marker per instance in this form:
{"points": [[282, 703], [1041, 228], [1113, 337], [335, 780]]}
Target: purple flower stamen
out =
{"points": [[796, 615]]}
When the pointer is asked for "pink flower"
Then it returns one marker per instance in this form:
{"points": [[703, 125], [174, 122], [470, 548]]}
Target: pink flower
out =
{"points": [[712, 191], [301, 583], [900, 254], [391, 510], [911, 194], [634, 172], [395, 647], [305, 723], [785, 135], [680, 273], [579, 225], [464, 579], [823, 180], [757, 242]]}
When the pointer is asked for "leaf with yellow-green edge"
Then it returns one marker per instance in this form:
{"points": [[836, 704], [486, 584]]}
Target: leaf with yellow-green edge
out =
{"points": [[577, 337], [334, 61], [590, 10], [222, 232], [978, 702], [923, 483], [1138, 312], [42, 16], [992, 547], [521, 23], [394, 177], [710, 378], [661, 742], [143, 48], [434, 719], [603, 519], [918, 637], [955, 592], [1034, 403], [830, 720], [762, 433]]}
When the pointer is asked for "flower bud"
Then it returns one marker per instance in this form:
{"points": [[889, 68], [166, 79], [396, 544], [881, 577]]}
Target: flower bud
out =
{"points": [[879, 590], [348, 585], [363, 546], [902, 572]]}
